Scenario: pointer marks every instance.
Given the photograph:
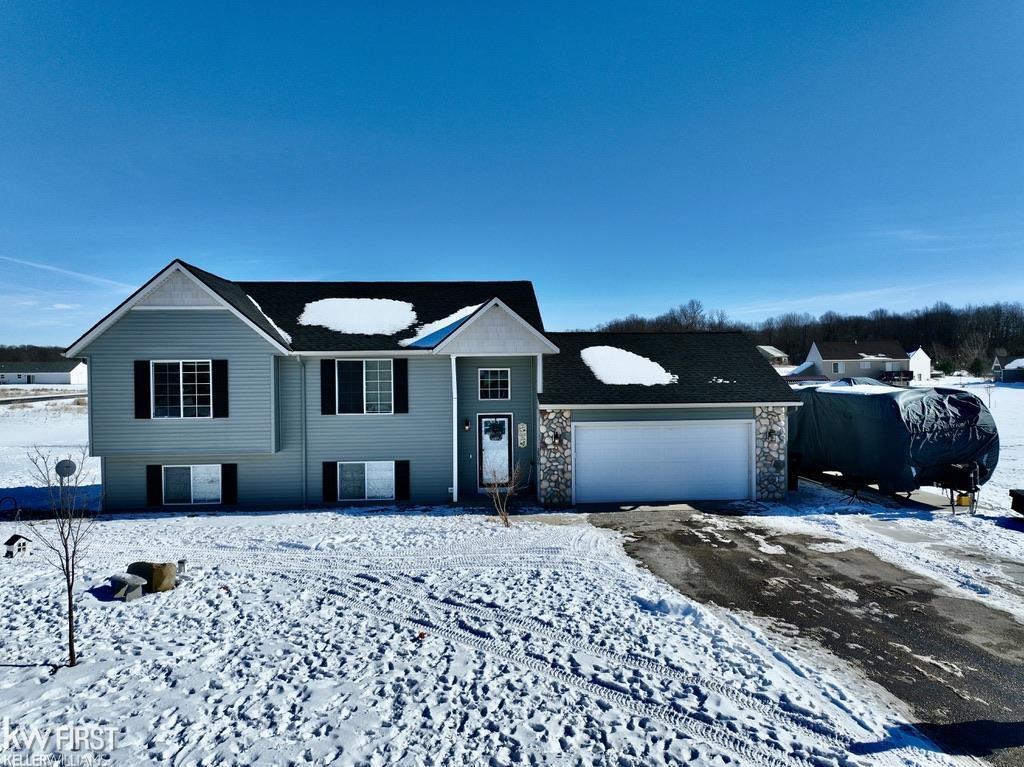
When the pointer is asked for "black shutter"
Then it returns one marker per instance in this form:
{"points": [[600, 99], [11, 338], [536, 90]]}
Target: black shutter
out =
{"points": [[330, 481], [154, 485], [229, 484], [400, 377], [350, 387], [220, 388], [401, 480], [142, 399], [327, 403]]}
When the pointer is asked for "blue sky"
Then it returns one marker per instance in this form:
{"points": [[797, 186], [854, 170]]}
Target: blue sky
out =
{"points": [[625, 156]]}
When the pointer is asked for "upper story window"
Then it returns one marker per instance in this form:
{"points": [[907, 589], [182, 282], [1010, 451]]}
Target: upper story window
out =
{"points": [[365, 386], [494, 383], [377, 385], [182, 389]]}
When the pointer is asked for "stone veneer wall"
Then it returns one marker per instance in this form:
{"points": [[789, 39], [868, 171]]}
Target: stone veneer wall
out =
{"points": [[554, 476], [770, 427]]}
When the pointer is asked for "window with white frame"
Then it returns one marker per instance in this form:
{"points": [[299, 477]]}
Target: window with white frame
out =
{"points": [[182, 389], [184, 485], [378, 393], [366, 481], [494, 383], [837, 367]]}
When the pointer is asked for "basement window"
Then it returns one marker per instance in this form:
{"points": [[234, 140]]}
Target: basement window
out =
{"points": [[185, 485], [366, 481]]}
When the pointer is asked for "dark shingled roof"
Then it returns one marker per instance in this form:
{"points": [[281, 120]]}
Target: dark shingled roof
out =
{"points": [[58, 366], [281, 304], [698, 359], [855, 350], [432, 301]]}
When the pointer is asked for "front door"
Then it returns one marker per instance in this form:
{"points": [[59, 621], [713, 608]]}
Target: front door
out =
{"points": [[494, 446]]}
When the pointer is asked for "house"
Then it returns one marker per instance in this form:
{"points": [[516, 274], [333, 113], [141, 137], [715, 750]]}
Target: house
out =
{"points": [[1012, 370], [69, 371], [211, 391], [17, 546], [920, 365], [774, 355], [858, 359]]}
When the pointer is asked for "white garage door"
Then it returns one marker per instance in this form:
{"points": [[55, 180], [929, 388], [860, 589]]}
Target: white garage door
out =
{"points": [[663, 461]]}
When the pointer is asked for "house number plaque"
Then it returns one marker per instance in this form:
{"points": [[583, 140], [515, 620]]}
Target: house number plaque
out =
{"points": [[522, 435]]}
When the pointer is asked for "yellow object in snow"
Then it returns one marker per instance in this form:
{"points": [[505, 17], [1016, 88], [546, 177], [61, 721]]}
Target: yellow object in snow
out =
{"points": [[963, 499]]}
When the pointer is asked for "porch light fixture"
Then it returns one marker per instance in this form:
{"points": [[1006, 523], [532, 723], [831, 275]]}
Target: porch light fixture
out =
{"points": [[465, 425]]}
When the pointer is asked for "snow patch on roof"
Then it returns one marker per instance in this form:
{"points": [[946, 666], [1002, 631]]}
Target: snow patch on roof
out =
{"points": [[843, 387], [431, 333], [359, 316], [1017, 364], [273, 324], [617, 366]]}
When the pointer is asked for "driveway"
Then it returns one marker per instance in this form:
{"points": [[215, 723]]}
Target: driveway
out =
{"points": [[957, 663]]}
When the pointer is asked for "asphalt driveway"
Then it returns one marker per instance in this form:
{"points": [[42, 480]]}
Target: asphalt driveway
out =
{"points": [[957, 663]]}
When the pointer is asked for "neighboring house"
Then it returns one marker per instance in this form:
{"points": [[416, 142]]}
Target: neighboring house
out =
{"points": [[856, 359], [208, 391], [774, 355], [1012, 370], [69, 371], [920, 365]]}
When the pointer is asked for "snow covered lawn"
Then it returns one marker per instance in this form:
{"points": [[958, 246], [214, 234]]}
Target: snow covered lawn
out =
{"points": [[422, 638], [59, 426]]}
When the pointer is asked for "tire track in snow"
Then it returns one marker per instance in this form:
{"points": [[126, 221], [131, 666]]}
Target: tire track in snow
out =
{"points": [[747, 752], [818, 728]]}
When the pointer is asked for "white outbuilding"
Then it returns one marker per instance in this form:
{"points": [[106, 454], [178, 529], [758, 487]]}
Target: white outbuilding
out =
{"points": [[920, 365]]}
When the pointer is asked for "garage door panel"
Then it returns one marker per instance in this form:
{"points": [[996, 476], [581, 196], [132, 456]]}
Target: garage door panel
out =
{"points": [[662, 461]]}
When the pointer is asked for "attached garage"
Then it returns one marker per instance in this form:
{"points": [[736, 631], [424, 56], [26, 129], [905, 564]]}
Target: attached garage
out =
{"points": [[648, 461], [660, 417]]}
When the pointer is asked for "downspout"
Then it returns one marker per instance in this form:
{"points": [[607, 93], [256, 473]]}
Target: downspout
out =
{"points": [[302, 378], [455, 435]]}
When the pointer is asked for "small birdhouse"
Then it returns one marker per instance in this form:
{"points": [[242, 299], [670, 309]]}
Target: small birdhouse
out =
{"points": [[17, 546]]}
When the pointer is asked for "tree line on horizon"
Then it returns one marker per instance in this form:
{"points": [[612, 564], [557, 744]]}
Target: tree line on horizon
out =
{"points": [[31, 353], [955, 338]]}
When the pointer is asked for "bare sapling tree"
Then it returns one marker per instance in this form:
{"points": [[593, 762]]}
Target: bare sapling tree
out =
{"points": [[62, 536], [503, 494]]}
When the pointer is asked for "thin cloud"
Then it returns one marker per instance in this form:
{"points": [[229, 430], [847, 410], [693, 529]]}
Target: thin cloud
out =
{"points": [[809, 303], [94, 279], [65, 306]]}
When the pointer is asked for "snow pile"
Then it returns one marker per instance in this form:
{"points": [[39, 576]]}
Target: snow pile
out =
{"points": [[387, 637], [362, 316], [432, 333], [617, 366], [273, 324]]}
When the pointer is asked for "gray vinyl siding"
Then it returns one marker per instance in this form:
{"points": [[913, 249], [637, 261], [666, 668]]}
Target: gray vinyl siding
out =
{"points": [[170, 335], [522, 405], [423, 436], [272, 480], [664, 414]]}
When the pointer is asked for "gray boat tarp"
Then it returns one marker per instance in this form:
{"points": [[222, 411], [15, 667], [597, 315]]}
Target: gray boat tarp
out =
{"points": [[899, 439]]}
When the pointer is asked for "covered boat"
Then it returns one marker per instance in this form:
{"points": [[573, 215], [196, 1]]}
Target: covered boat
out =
{"points": [[899, 439]]}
